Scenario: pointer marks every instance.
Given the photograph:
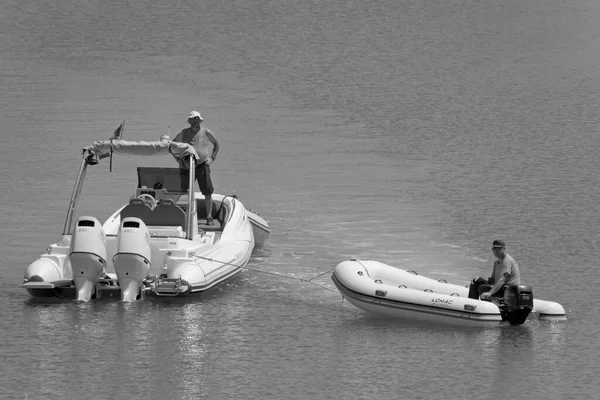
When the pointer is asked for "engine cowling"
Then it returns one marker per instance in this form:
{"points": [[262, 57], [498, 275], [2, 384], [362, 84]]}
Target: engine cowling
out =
{"points": [[132, 260], [518, 303], [87, 256]]}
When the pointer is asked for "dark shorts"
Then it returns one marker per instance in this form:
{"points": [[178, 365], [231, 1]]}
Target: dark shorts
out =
{"points": [[202, 177], [480, 286]]}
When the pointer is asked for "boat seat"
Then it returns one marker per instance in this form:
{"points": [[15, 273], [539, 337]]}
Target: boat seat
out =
{"points": [[137, 208], [167, 213]]}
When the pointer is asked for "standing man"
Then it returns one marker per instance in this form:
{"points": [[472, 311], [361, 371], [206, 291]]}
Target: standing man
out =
{"points": [[505, 272], [202, 139]]}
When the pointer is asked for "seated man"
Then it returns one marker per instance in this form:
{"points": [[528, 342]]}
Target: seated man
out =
{"points": [[505, 272]]}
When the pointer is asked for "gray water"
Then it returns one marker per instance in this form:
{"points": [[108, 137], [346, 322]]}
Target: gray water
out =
{"points": [[413, 133]]}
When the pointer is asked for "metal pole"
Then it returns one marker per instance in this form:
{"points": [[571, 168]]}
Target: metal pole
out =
{"points": [[191, 198], [75, 197]]}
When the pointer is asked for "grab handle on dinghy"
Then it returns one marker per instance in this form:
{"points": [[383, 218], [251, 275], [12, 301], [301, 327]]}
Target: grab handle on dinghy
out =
{"points": [[428, 290], [412, 272], [402, 287], [442, 281]]}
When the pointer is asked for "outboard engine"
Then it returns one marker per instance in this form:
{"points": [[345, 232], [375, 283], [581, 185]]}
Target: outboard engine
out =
{"points": [[518, 303], [87, 256], [132, 260]]}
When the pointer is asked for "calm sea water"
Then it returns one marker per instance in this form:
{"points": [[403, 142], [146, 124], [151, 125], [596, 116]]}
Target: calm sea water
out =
{"points": [[413, 133]]}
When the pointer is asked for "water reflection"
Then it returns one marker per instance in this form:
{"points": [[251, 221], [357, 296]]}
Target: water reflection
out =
{"points": [[188, 339], [507, 352], [512, 353], [467, 361]]}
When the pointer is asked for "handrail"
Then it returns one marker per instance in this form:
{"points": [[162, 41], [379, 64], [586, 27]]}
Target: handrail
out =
{"points": [[75, 196], [233, 206], [191, 199]]}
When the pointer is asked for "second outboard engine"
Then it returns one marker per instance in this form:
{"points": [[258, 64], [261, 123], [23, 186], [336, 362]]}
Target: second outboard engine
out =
{"points": [[132, 260], [87, 256], [518, 303]]}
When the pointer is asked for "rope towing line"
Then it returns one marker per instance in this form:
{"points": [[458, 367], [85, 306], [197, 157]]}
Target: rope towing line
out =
{"points": [[274, 273]]}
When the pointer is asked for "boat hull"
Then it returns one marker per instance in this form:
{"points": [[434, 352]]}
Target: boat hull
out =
{"points": [[147, 261], [260, 228], [200, 271], [391, 292], [51, 271], [197, 283], [420, 306]]}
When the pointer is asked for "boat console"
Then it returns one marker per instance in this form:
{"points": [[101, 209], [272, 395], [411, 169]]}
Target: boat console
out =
{"points": [[162, 183], [168, 185]]}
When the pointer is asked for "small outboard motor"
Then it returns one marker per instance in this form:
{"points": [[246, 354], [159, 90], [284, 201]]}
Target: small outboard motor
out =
{"points": [[518, 303]]}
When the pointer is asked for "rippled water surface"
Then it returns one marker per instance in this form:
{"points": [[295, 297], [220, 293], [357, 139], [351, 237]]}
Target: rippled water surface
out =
{"points": [[413, 133]]}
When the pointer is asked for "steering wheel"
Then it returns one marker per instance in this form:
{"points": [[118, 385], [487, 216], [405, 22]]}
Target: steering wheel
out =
{"points": [[148, 200]]}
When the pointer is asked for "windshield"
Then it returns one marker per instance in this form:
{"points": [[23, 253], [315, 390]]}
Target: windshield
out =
{"points": [[171, 179]]}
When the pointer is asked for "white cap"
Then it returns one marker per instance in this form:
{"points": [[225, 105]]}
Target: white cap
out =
{"points": [[195, 114]]}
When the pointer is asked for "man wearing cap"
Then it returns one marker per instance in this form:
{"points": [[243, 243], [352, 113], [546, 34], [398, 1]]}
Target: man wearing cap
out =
{"points": [[202, 139], [505, 272]]}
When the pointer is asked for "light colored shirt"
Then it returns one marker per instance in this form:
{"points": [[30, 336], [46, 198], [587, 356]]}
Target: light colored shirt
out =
{"points": [[507, 266]]}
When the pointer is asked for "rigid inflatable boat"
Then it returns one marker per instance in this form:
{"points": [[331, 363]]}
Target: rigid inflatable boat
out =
{"points": [[158, 243], [388, 291]]}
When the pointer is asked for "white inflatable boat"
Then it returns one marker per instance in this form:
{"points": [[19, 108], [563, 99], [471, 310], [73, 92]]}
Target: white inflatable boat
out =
{"points": [[388, 291], [158, 243]]}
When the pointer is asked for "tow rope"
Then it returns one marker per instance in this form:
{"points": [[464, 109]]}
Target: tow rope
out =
{"points": [[275, 273]]}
